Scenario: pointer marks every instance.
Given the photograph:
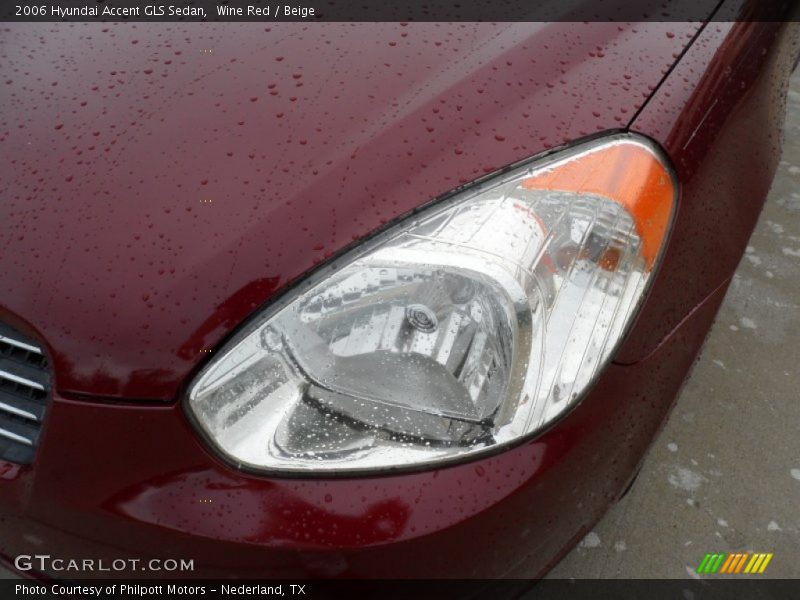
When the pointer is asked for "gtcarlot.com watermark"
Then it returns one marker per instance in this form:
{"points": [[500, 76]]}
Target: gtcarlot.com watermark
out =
{"points": [[48, 563]]}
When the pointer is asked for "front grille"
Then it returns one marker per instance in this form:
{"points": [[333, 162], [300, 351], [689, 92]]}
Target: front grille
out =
{"points": [[24, 391]]}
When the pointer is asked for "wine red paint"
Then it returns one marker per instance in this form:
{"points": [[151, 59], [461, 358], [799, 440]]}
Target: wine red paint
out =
{"points": [[162, 183]]}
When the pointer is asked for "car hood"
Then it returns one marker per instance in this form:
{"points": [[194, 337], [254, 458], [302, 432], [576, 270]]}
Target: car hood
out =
{"points": [[163, 181]]}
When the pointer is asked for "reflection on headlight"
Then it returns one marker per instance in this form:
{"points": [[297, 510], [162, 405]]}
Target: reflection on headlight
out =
{"points": [[476, 323]]}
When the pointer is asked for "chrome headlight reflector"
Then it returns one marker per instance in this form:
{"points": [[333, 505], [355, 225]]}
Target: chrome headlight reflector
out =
{"points": [[476, 322]]}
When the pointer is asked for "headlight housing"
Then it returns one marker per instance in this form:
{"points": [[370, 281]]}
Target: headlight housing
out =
{"points": [[466, 327]]}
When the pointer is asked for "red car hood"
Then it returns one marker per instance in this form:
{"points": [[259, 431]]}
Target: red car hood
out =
{"points": [[162, 181]]}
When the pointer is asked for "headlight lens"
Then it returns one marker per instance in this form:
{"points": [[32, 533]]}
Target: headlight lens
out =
{"points": [[477, 322]]}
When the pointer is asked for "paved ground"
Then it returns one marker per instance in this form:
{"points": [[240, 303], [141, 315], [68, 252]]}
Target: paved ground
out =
{"points": [[725, 473]]}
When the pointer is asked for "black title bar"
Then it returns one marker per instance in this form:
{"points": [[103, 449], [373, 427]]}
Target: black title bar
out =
{"points": [[463, 589], [393, 10]]}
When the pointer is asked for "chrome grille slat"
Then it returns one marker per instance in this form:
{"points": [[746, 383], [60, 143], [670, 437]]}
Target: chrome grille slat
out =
{"points": [[11, 336], [14, 404], [9, 376], [18, 430], [15, 437], [21, 345], [24, 393], [10, 408], [22, 374]]}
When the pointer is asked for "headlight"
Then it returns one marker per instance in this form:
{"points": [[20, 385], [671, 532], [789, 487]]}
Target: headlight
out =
{"points": [[472, 324]]}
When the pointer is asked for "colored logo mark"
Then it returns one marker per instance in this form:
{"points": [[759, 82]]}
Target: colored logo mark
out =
{"points": [[741, 562]]}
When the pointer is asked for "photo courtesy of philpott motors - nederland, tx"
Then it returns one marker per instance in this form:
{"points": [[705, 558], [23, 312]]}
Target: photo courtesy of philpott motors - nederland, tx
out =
{"points": [[125, 589]]}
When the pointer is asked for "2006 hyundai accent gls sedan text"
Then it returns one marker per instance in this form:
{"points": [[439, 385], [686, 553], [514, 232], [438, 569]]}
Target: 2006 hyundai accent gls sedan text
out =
{"points": [[370, 300]]}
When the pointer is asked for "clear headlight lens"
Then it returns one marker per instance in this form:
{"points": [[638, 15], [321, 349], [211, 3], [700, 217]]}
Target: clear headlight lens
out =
{"points": [[478, 321]]}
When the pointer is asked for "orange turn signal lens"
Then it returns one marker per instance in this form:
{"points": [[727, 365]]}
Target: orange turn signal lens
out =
{"points": [[628, 173]]}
